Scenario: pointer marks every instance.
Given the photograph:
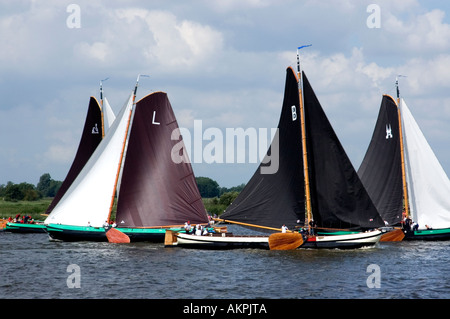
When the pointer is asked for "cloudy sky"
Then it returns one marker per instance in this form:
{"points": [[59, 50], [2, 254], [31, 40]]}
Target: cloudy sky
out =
{"points": [[221, 62]]}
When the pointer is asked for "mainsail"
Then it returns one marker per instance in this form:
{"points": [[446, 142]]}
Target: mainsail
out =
{"points": [[338, 197], [381, 168], [91, 136], [155, 190], [108, 115], [428, 184], [87, 201], [273, 199], [339, 200]]}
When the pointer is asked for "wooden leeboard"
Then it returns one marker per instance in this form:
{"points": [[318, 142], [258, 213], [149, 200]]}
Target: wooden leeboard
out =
{"points": [[116, 236], [285, 241], [394, 235]]}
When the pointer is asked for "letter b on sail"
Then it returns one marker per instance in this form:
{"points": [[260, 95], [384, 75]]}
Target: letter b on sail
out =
{"points": [[294, 112]]}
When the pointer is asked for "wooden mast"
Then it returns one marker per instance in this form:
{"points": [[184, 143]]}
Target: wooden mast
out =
{"points": [[305, 158], [123, 148], [402, 152], [101, 107]]}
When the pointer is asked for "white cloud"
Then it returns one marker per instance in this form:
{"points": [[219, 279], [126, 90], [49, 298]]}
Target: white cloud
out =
{"points": [[222, 62]]}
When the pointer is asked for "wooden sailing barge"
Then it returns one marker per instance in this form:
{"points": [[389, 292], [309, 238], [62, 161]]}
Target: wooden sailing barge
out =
{"points": [[404, 177], [134, 161], [313, 178]]}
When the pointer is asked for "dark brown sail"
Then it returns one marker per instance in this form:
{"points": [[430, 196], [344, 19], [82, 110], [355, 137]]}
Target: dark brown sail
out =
{"points": [[155, 190], [91, 136], [381, 169]]}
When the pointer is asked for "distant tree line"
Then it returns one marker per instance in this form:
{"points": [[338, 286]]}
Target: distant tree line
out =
{"points": [[209, 188], [46, 187], [215, 198]]}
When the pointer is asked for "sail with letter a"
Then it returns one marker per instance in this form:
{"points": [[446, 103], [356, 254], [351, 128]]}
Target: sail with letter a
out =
{"points": [[381, 168], [87, 201], [91, 136]]}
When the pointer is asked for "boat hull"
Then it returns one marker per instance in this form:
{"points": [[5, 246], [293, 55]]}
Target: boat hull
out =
{"points": [[25, 228], [344, 241], [156, 235], [221, 241], [86, 233], [428, 234], [76, 233]]}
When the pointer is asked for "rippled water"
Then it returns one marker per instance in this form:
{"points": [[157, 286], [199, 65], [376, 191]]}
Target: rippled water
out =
{"points": [[34, 267]]}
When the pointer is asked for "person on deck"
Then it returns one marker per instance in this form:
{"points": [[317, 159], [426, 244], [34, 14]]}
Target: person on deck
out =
{"points": [[284, 228]]}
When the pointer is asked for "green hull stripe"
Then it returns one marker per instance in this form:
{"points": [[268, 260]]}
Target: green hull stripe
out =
{"points": [[55, 227], [15, 226], [425, 232]]}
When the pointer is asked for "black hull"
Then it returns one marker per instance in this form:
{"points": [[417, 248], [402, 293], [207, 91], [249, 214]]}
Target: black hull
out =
{"points": [[151, 238], [25, 229], [428, 235], [99, 234], [72, 235]]}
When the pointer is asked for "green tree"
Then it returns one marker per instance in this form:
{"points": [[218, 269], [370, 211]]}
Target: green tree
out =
{"points": [[12, 192], [208, 188], [227, 198], [47, 186]]}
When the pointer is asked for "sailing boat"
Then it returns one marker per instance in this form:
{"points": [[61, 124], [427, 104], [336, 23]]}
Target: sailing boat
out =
{"points": [[154, 194], [328, 189], [98, 119], [382, 172], [417, 179], [92, 134]]}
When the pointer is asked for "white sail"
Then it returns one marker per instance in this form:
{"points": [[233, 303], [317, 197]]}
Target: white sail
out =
{"points": [[428, 184], [88, 199], [108, 114]]}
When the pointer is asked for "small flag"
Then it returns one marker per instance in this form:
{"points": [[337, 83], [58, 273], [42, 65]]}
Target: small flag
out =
{"points": [[304, 46]]}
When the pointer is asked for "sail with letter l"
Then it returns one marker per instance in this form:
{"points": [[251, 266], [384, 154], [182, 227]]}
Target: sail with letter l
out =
{"points": [[155, 190]]}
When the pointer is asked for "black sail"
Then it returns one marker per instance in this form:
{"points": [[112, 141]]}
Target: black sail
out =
{"points": [[155, 189], [338, 197], [275, 194], [91, 136], [381, 169]]}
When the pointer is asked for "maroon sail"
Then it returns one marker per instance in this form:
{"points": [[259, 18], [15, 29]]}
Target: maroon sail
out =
{"points": [[155, 190], [90, 138]]}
